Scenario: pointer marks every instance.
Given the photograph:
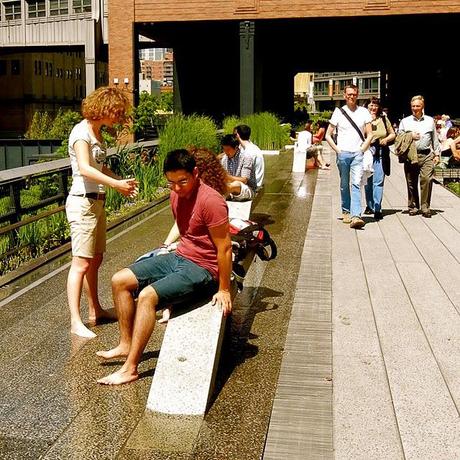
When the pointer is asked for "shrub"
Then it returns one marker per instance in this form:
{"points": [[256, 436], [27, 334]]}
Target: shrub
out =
{"points": [[182, 131]]}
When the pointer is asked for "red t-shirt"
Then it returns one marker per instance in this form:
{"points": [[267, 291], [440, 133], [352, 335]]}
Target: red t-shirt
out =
{"points": [[205, 209]]}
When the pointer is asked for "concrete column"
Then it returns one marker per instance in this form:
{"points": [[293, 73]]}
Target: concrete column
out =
{"points": [[90, 57], [177, 100], [247, 33]]}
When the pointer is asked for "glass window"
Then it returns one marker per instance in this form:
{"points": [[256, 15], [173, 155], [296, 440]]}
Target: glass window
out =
{"points": [[58, 7], [15, 67], [36, 8], [81, 6], [12, 10]]}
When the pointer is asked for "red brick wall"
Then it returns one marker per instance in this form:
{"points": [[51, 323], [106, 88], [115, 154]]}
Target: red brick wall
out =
{"points": [[189, 10]]}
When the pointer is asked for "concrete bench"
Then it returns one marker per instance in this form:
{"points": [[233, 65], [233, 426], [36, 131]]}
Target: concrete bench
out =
{"points": [[186, 368], [242, 209]]}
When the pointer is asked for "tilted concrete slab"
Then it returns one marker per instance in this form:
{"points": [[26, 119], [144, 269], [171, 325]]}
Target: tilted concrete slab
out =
{"points": [[186, 368], [184, 378]]}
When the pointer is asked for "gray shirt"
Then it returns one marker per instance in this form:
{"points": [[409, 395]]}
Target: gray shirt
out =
{"points": [[426, 128], [241, 165]]}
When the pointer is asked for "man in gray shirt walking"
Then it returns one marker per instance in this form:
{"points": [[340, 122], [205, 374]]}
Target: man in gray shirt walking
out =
{"points": [[428, 150]]}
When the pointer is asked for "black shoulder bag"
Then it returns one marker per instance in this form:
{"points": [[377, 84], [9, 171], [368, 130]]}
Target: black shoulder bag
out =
{"points": [[361, 135]]}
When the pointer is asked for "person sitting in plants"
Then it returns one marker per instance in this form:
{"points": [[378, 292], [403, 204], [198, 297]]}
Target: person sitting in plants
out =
{"points": [[239, 164], [85, 212]]}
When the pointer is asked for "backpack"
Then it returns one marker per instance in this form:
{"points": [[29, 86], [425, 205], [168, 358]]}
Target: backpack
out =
{"points": [[247, 236]]}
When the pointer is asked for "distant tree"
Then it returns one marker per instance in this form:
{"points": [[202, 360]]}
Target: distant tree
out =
{"points": [[167, 102], [63, 124], [145, 114], [40, 126]]}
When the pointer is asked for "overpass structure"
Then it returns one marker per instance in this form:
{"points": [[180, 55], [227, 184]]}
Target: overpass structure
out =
{"points": [[236, 56]]}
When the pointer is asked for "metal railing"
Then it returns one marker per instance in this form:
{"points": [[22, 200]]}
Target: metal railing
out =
{"points": [[14, 181]]}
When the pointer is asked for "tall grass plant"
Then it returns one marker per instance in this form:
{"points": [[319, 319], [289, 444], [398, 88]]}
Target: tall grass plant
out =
{"points": [[266, 129]]}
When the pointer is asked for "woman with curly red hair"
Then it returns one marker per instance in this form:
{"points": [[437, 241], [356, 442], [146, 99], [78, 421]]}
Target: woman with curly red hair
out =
{"points": [[85, 212]]}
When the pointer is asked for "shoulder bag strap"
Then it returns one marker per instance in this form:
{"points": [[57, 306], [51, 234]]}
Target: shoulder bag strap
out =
{"points": [[352, 123]]}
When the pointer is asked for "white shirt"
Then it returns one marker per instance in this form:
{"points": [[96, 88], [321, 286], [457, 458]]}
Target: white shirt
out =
{"points": [[80, 184], [426, 128], [259, 162], [348, 139], [304, 139]]}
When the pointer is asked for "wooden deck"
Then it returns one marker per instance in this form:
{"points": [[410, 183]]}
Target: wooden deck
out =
{"points": [[378, 310]]}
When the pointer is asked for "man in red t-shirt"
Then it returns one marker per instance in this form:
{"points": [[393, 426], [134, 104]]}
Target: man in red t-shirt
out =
{"points": [[200, 266]]}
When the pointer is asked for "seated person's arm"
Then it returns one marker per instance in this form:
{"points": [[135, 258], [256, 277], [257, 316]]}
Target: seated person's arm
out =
{"points": [[221, 239], [173, 235]]}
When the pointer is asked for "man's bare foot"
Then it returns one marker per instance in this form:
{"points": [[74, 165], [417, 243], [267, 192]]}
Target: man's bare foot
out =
{"points": [[118, 352], [103, 317], [166, 315], [82, 331], [119, 377]]}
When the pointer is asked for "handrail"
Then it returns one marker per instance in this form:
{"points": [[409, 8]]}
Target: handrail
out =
{"points": [[11, 175]]}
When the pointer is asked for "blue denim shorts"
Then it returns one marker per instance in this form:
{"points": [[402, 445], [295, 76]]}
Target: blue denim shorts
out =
{"points": [[175, 279]]}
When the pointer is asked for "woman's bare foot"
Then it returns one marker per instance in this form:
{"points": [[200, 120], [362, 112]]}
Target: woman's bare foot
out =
{"points": [[103, 316], [119, 377], [120, 351], [81, 330], [166, 315]]}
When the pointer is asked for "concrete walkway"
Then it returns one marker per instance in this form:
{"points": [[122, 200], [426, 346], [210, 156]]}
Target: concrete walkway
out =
{"points": [[350, 343], [378, 311]]}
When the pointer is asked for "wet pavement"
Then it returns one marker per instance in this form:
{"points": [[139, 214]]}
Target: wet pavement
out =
{"points": [[50, 405]]}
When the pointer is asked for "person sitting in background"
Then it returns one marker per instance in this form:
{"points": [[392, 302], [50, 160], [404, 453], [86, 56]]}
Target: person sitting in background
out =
{"points": [[312, 152], [239, 165], [243, 134], [450, 155]]}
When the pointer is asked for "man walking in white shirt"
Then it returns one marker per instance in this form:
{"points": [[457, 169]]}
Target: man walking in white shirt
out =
{"points": [[354, 135], [426, 141]]}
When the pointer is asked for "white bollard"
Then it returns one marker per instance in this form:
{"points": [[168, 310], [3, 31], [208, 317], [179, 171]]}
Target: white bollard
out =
{"points": [[300, 158]]}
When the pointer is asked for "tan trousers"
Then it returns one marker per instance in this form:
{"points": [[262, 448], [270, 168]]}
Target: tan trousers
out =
{"points": [[425, 169]]}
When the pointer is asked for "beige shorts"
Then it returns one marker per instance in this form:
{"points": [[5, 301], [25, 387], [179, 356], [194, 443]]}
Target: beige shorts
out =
{"points": [[87, 225]]}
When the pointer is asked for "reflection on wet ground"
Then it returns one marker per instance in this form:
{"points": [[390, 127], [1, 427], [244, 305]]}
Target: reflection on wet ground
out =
{"points": [[50, 405]]}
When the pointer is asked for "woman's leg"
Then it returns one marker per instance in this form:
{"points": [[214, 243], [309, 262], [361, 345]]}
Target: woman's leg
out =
{"points": [[78, 269], [90, 284]]}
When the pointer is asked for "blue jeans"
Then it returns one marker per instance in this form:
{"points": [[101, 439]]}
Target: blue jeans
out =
{"points": [[350, 163], [374, 186]]}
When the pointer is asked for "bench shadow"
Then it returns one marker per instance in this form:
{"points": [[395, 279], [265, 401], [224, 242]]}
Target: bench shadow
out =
{"points": [[236, 348], [262, 218]]}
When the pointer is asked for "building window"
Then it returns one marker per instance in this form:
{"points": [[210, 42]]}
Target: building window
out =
{"points": [[15, 67], [58, 7], [12, 10], [2, 67], [36, 8], [81, 6]]}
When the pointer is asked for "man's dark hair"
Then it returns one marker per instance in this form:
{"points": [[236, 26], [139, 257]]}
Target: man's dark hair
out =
{"points": [[231, 140], [179, 159], [244, 131]]}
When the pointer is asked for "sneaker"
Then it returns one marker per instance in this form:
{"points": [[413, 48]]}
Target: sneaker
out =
{"points": [[413, 211], [368, 211], [378, 215], [357, 222], [346, 218]]}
